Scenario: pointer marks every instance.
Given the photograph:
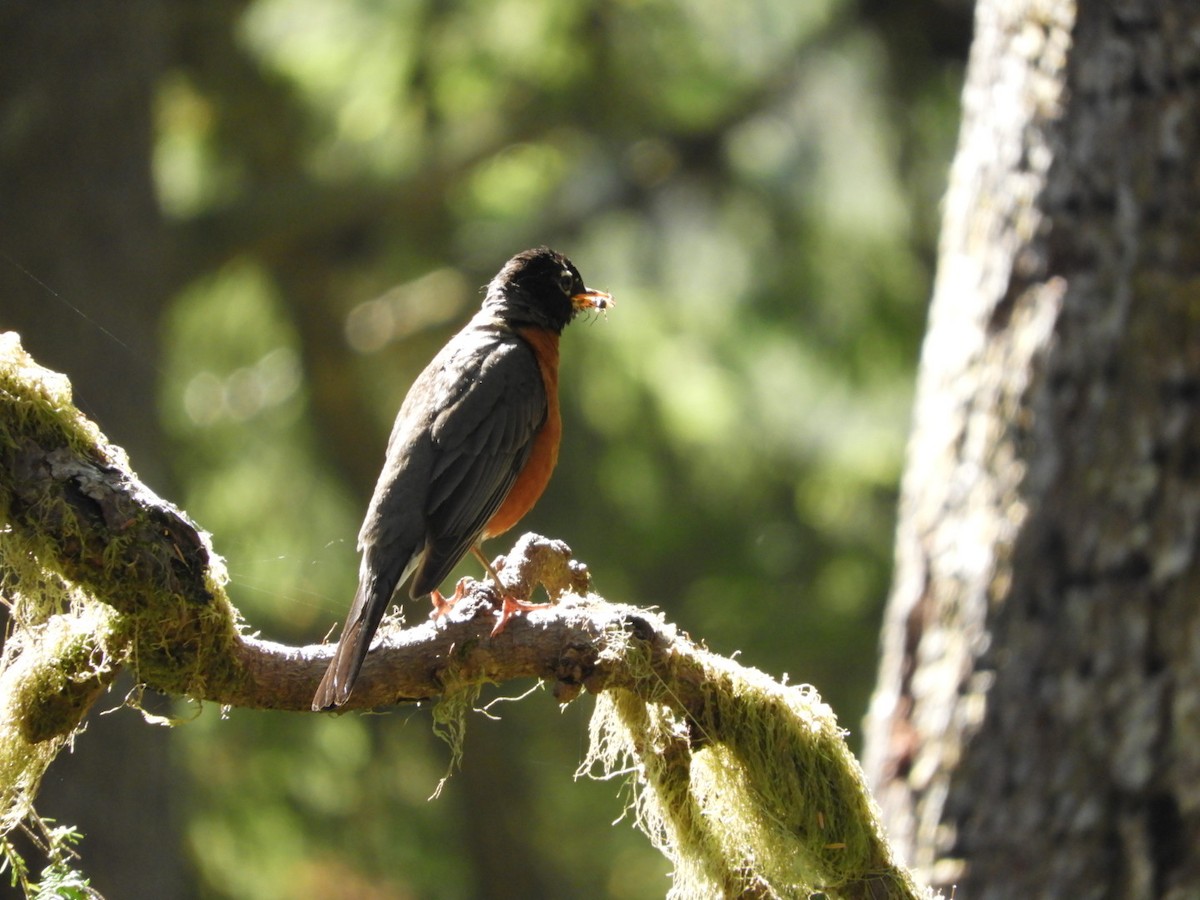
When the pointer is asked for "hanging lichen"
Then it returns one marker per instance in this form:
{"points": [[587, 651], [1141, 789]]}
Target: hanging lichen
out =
{"points": [[746, 785]]}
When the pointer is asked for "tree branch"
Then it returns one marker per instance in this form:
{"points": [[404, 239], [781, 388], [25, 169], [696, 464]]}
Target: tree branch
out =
{"points": [[746, 784], [564, 643]]}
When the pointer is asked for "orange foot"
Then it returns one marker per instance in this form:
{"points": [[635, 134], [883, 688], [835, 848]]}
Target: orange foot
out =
{"points": [[511, 605], [442, 605]]}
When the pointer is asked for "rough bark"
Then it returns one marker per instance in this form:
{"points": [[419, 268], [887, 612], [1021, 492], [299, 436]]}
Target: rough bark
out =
{"points": [[1036, 731]]}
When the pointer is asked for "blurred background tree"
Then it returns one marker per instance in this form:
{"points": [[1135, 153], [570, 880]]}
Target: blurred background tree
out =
{"points": [[757, 183]]}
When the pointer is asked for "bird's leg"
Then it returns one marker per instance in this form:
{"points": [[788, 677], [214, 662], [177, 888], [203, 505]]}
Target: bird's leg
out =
{"points": [[487, 567], [442, 605], [508, 604]]}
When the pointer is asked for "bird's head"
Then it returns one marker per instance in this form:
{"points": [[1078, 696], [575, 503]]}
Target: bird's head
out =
{"points": [[541, 287]]}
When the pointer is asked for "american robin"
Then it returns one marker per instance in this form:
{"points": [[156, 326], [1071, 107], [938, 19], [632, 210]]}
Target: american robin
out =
{"points": [[471, 451]]}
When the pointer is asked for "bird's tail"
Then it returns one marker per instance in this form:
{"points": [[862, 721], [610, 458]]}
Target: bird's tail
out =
{"points": [[335, 687]]}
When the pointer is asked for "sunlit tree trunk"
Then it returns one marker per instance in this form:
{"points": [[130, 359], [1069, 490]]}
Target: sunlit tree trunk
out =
{"points": [[1036, 729]]}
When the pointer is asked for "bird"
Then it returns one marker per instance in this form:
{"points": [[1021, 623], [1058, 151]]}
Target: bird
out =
{"points": [[471, 451]]}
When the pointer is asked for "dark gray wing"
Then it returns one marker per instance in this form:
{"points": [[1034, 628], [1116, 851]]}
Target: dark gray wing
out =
{"points": [[481, 442]]}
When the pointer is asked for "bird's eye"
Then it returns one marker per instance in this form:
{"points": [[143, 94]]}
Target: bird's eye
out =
{"points": [[566, 281]]}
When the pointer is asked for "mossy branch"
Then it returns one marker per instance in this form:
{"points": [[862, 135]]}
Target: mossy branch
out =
{"points": [[746, 784]]}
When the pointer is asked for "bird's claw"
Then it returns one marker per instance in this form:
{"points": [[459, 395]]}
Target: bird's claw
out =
{"points": [[441, 604], [509, 606]]}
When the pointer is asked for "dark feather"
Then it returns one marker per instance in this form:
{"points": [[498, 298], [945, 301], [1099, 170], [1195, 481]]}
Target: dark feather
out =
{"points": [[481, 444]]}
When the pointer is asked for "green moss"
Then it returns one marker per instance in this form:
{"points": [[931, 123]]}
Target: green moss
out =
{"points": [[89, 580], [39, 403], [73, 668], [752, 790], [458, 698]]}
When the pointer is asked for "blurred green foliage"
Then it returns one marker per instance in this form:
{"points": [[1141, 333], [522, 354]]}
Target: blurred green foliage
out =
{"points": [[757, 185]]}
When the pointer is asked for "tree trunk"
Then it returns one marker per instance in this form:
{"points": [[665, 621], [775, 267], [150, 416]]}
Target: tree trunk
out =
{"points": [[1036, 731]]}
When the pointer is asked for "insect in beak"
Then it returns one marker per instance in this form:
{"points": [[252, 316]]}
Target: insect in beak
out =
{"points": [[593, 300]]}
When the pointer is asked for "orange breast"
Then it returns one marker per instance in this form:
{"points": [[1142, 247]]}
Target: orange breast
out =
{"points": [[536, 475]]}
